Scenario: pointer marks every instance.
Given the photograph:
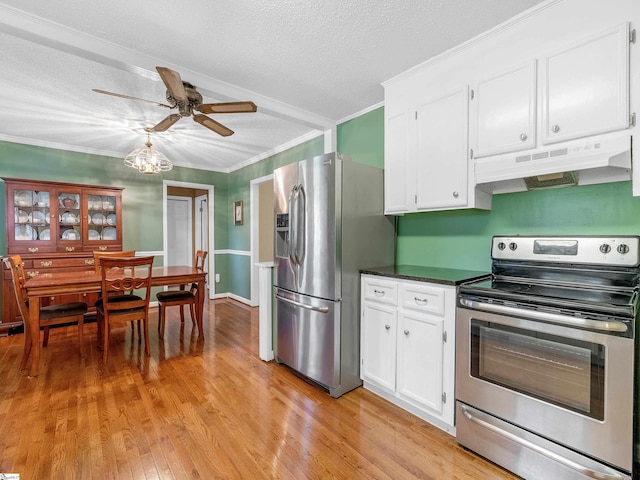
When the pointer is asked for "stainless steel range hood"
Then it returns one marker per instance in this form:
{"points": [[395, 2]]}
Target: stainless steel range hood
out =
{"points": [[598, 159]]}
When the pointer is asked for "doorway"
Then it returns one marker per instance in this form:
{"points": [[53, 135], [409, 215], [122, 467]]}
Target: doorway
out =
{"points": [[180, 235], [188, 219]]}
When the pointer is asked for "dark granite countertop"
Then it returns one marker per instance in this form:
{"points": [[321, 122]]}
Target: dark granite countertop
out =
{"points": [[444, 276]]}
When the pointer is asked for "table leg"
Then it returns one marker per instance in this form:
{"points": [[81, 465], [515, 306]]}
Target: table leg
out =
{"points": [[34, 332]]}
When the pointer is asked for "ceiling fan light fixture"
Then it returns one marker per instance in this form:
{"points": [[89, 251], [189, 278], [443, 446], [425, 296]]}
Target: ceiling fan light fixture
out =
{"points": [[148, 161]]}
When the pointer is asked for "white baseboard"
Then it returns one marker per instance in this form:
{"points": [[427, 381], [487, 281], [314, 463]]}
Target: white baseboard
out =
{"points": [[233, 296]]}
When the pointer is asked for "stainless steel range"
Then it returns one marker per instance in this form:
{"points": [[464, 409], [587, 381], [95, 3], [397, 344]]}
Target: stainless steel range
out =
{"points": [[545, 357]]}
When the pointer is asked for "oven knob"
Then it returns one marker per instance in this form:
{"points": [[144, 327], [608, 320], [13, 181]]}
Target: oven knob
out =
{"points": [[513, 246], [623, 248], [605, 248], [501, 246]]}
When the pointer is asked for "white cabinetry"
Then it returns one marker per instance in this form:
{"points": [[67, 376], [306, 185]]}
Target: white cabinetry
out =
{"points": [[396, 190], [585, 87], [426, 152], [442, 160], [407, 345], [504, 112]]}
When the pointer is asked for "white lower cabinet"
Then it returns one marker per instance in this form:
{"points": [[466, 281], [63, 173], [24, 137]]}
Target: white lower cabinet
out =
{"points": [[407, 345]]}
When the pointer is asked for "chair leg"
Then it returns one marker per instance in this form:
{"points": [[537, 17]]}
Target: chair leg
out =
{"points": [[81, 334], [182, 313], [139, 333], [45, 339], [100, 325], [145, 322], [192, 307], [159, 316], [105, 341], [26, 348], [163, 319]]}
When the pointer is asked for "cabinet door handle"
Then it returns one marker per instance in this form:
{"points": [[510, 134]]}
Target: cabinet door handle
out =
{"points": [[387, 327], [455, 194], [102, 248], [32, 274], [555, 128], [46, 263], [378, 293], [89, 261], [523, 137], [421, 301], [33, 249], [406, 332], [70, 249]]}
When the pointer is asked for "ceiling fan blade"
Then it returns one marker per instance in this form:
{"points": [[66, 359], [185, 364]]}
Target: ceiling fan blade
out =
{"points": [[213, 125], [229, 107], [128, 97], [166, 123], [172, 80]]}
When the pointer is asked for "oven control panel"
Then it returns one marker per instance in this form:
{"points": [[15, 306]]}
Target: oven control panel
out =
{"points": [[597, 250]]}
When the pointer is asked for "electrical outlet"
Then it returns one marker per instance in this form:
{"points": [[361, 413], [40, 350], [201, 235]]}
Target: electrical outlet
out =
{"points": [[217, 278]]}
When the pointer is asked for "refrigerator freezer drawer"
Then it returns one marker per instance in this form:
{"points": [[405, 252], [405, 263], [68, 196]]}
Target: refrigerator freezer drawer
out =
{"points": [[308, 336]]}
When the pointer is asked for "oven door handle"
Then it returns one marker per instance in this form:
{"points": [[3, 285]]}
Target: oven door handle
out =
{"points": [[546, 316], [584, 470]]}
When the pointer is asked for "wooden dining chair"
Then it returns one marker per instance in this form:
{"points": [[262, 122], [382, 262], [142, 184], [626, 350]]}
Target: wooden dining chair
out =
{"points": [[126, 290], [50, 315], [97, 255], [182, 297]]}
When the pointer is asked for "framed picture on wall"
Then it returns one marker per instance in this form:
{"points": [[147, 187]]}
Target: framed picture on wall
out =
{"points": [[237, 213]]}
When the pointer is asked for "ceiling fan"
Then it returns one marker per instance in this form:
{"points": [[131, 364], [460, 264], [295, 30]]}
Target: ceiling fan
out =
{"points": [[184, 96]]}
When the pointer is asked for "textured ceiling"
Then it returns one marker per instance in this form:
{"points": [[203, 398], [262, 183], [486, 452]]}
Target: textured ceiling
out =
{"points": [[306, 65]]}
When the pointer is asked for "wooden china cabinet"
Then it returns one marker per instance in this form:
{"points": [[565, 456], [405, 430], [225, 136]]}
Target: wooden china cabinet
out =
{"points": [[56, 227]]}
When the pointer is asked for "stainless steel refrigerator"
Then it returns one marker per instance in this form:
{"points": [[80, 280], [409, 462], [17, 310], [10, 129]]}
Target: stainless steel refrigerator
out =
{"points": [[329, 225]]}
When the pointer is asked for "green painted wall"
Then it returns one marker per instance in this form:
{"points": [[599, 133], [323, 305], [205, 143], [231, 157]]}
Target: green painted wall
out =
{"points": [[362, 138], [461, 239], [141, 198]]}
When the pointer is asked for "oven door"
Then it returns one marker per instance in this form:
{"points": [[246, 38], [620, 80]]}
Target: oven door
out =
{"points": [[572, 386]]}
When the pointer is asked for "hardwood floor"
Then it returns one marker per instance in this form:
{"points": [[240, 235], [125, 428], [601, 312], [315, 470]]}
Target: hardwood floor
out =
{"points": [[204, 410]]}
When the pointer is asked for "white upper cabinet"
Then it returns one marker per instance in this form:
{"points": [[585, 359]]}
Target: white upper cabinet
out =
{"points": [[504, 112], [427, 150], [442, 152], [396, 159], [585, 87]]}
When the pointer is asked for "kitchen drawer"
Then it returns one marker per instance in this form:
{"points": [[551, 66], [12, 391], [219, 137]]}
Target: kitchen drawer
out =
{"points": [[380, 291], [422, 298]]}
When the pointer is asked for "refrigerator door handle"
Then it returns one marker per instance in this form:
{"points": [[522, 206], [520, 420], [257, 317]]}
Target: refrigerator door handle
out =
{"points": [[300, 224], [303, 305], [292, 224]]}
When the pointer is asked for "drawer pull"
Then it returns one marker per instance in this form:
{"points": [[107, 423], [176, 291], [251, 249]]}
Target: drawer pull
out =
{"points": [[103, 248], [89, 261], [406, 332], [378, 293], [46, 263], [33, 273], [33, 249], [70, 249], [387, 327], [421, 301]]}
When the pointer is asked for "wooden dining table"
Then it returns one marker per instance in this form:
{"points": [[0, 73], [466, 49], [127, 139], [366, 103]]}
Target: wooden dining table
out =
{"points": [[50, 284]]}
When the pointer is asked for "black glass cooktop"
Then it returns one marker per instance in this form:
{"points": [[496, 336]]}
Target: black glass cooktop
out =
{"points": [[580, 297]]}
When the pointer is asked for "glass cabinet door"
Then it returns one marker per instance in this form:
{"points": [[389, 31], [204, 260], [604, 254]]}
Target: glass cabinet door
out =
{"points": [[33, 212], [103, 225], [69, 219]]}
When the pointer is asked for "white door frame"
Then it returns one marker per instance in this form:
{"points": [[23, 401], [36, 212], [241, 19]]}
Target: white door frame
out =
{"points": [[254, 199], [210, 201]]}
